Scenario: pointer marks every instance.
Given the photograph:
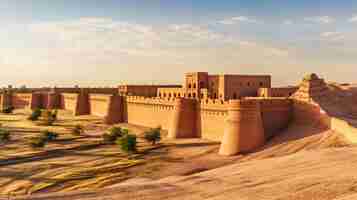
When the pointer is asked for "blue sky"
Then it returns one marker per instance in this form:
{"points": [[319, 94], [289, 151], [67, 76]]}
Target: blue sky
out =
{"points": [[99, 43]]}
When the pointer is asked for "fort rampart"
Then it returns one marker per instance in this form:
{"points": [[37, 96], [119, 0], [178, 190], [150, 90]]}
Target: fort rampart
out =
{"points": [[241, 125], [251, 120], [305, 112]]}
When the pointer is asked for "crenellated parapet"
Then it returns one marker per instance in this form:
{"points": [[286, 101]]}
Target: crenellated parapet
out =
{"points": [[213, 105], [150, 100]]}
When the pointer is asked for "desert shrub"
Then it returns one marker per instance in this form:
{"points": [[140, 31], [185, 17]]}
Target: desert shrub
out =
{"points": [[4, 135], [48, 118], [153, 135], [114, 133], [49, 135], [77, 130], [35, 115], [127, 143], [37, 142], [8, 109], [54, 114]]}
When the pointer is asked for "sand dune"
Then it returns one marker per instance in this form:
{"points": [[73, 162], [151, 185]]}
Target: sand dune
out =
{"points": [[303, 162], [318, 174]]}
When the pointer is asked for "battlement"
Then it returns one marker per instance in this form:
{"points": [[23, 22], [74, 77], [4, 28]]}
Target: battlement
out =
{"points": [[214, 104], [150, 100]]}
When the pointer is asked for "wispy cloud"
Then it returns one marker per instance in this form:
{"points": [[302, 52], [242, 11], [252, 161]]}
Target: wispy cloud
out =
{"points": [[320, 19], [288, 22], [193, 32], [104, 40], [353, 19], [333, 36], [235, 20]]}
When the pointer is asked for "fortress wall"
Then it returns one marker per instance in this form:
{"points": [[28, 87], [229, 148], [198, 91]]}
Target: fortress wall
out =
{"points": [[307, 113], [21, 100], [149, 112], [77, 103], [53, 100], [184, 119], [276, 115], [211, 119], [310, 113], [37, 100], [90, 90], [99, 104], [69, 101], [115, 112], [243, 130]]}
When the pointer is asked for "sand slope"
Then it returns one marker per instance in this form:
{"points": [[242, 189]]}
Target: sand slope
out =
{"points": [[321, 174], [303, 162]]}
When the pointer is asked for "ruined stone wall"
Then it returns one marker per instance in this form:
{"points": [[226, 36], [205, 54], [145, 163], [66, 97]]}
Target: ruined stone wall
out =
{"points": [[308, 113], [304, 112]]}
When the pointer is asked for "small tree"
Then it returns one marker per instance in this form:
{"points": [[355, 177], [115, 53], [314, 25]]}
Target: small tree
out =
{"points": [[8, 109], [127, 143], [77, 130], [153, 135], [37, 142], [48, 135], [35, 115], [114, 133], [4, 135]]}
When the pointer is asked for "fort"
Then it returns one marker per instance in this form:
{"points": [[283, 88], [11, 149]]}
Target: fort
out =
{"points": [[240, 111]]}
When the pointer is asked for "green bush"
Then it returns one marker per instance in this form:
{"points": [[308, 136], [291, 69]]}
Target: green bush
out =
{"points": [[35, 115], [4, 135], [48, 135], [114, 133], [153, 135], [37, 142], [77, 130], [127, 143], [8, 109]]}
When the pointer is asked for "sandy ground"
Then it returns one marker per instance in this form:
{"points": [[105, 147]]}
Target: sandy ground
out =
{"points": [[295, 164], [73, 163], [324, 174]]}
